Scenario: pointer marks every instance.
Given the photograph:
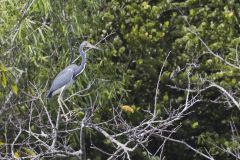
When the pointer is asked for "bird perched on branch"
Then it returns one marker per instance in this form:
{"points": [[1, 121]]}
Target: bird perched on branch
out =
{"points": [[67, 76]]}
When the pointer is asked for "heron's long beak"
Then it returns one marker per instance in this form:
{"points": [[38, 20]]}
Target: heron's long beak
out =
{"points": [[92, 46]]}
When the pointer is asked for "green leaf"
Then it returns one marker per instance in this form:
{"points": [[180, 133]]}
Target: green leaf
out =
{"points": [[140, 61], [41, 34], [16, 154], [3, 80], [127, 109], [15, 88], [3, 68], [1, 143], [195, 125], [30, 152]]}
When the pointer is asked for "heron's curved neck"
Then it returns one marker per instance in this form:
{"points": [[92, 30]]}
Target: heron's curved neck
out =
{"points": [[83, 63], [82, 54]]}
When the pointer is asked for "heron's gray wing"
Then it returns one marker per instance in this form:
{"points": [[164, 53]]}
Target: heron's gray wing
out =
{"points": [[71, 67], [63, 78]]}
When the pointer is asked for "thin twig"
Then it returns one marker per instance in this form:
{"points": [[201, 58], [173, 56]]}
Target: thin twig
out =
{"points": [[157, 87]]}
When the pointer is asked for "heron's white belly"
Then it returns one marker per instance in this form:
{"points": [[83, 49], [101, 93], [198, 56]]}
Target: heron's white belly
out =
{"points": [[62, 88]]}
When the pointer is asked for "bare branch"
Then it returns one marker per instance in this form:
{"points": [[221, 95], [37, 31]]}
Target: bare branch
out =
{"points": [[157, 88]]}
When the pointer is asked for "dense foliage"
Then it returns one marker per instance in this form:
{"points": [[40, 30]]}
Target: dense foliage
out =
{"points": [[37, 40]]}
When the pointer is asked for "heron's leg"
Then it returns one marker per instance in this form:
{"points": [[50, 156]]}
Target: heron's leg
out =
{"points": [[68, 110], [60, 104], [64, 104]]}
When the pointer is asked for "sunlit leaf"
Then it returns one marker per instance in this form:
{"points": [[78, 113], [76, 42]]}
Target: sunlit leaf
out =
{"points": [[195, 125], [127, 108], [41, 34], [30, 152], [15, 88], [16, 154], [107, 141], [3, 68], [1, 143], [3, 80]]}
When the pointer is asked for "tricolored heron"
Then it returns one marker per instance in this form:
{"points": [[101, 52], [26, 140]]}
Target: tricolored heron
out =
{"points": [[67, 76]]}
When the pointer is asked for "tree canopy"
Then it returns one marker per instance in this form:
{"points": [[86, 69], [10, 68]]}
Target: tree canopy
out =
{"points": [[165, 84]]}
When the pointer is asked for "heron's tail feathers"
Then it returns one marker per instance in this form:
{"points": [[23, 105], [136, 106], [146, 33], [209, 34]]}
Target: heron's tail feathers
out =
{"points": [[49, 94]]}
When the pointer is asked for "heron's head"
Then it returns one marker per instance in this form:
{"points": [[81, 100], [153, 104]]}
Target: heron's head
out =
{"points": [[88, 45]]}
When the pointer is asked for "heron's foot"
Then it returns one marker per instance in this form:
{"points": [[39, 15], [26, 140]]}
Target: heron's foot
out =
{"points": [[61, 104], [70, 113], [67, 119], [64, 104], [68, 116]]}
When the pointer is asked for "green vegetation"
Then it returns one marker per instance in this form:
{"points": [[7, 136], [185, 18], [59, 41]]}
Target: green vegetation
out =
{"points": [[202, 39]]}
